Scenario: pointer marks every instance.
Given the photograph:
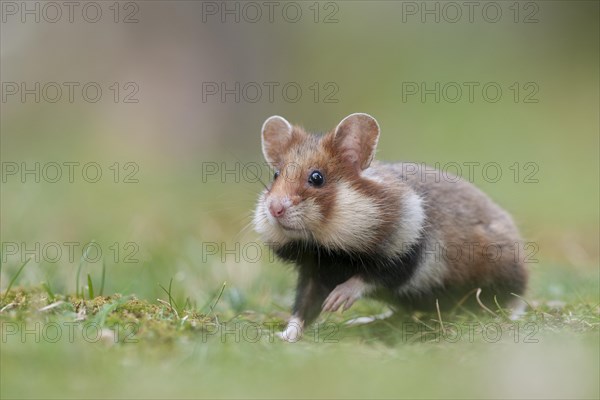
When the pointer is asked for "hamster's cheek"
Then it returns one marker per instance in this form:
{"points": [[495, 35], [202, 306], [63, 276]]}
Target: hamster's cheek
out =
{"points": [[311, 216]]}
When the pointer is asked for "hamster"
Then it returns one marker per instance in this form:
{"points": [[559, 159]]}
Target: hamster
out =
{"points": [[401, 233]]}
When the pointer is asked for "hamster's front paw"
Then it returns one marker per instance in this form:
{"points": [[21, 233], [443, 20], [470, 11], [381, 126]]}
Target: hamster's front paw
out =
{"points": [[292, 332], [345, 294]]}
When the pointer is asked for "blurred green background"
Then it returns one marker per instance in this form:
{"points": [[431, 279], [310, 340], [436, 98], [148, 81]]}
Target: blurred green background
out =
{"points": [[346, 57]]}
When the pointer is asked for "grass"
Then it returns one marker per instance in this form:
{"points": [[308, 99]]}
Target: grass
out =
{"points": [[157, 348]]}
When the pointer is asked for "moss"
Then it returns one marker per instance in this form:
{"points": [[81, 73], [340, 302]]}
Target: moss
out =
{"points": [[24, 299], [140, 319]]}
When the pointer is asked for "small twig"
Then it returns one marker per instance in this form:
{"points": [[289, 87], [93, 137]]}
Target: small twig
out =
{"points": [[526, 302], [6, 307], [437, 306], [462, 300], [51, 306], [500, 309], [483, 305], [415, 318]]}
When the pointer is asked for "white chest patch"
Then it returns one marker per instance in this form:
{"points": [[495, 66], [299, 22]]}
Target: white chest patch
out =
{"points": [[410, 221], [353, 223]]}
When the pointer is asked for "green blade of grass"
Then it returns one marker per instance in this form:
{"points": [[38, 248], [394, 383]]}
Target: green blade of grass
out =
{"points": [[171, 284], [218, 297], [15, 277], [90, 286], [171, 299], [48, 290], [81, 262], [102, 278]]}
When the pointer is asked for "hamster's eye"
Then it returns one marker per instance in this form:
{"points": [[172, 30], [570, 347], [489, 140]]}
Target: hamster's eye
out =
{"points": [[275, 175], [316, 179]]}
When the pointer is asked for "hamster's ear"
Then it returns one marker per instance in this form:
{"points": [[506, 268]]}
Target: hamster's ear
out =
{"points": [[276, 134], [356, 138]]}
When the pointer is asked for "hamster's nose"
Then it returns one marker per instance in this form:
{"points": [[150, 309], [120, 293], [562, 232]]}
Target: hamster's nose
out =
{"points": [[276, 208]]}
